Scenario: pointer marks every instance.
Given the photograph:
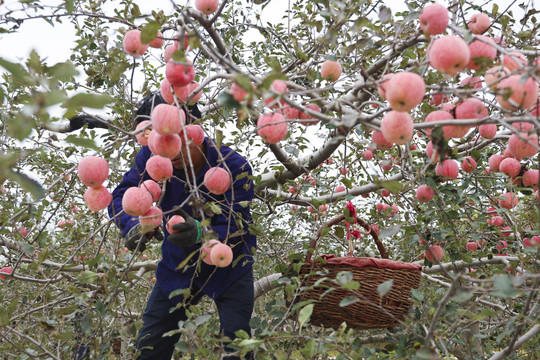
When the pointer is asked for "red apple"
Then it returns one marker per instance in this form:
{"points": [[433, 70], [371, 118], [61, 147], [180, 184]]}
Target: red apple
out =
{"points": [[479, 23], [153, 188], [434, 252], [424, 193], [379, 140], [167, 119], [448, 169], [507, 200], [97, 198], [152, 218], [136, 201], [331, 70], [133, 44], [397, 127], [159, 168], [217, 180], [514, 94], [272, 127], [175, 219], [206, 250], [221, 255], [449, 54], [180, 74], [8, 270], [479, 51], [142, 137], [405, 90], [510, 167], [434, 19], [93, 171], [468, 164], [207, 7]]}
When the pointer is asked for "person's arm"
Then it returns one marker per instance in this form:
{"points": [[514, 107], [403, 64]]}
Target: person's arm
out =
{"points": [[133, 177], [238, 198]]}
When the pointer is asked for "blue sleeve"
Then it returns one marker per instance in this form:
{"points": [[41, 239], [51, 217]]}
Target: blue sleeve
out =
{"points": [[132, 177], [232, 226]]}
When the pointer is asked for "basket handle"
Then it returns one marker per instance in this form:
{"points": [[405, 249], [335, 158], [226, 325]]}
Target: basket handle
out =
{"points": [[336, 220]]}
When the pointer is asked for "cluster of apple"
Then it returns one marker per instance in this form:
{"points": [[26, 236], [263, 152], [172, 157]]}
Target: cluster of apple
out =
{"points": [[272, 127], [513, 88], [93, 171], [166, 132], [164, 140], [214, 252]]}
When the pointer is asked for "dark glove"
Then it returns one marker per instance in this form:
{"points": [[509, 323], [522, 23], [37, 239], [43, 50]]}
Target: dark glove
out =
{"points": [[133, 237], [187, 233]]}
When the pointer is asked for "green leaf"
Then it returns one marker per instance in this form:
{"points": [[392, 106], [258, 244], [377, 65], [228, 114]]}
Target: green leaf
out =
{"points": [[28, 248], [344, 277], [179, 56], [390, 231], [87, 276], [417, 295], [385, 14], [194, 42], [250, 343], [385, 287], [244, 81], [504, 284], [353, 285], [20, 126], [4, 317], [218, 138], [202, 319], [16, 70], [267, 81], [241, 176], [186, 260], [244, 204], [82, 142], [305, 314], [28, 184], [227, 100], [309, 350], [351, 299], [325, 231], [273, 62], [215, 208], [394, 185], [69, 5], [149, 32], [64, 71], [462, 296], [94, 101]]}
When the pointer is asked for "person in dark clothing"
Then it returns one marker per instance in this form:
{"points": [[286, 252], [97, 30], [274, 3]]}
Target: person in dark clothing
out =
{"points": [[230, 287]]}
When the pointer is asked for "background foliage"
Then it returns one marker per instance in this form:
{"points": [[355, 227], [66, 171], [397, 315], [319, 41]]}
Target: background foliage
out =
{"points": [[75, 283]]}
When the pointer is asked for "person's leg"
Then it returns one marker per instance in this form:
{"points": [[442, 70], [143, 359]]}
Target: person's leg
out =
{"points": [[157, 320], [235, 307], [82, 347]]}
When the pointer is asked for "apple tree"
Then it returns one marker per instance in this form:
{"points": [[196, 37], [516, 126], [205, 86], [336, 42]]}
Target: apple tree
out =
{"points": [[423, 119]]}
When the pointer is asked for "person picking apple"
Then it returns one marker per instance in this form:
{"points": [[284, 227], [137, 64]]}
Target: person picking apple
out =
{"points": [[201, 173]]}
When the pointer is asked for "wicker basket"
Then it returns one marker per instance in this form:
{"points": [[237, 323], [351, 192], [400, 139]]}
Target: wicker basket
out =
{"points": [[371, 311]]}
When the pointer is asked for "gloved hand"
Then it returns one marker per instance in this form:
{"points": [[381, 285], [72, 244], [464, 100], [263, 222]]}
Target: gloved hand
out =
{"points": [[187, 233], [134, 236]]}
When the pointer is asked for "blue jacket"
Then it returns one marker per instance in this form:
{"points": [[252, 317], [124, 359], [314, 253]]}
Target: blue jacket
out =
{"points": [[231, 227]]}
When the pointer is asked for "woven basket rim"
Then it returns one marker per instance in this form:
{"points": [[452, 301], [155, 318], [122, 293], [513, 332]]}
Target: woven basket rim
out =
{"points": [[361, 262]]}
